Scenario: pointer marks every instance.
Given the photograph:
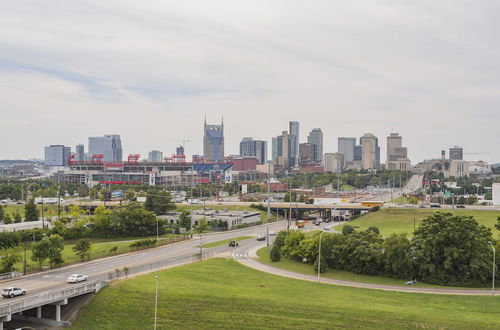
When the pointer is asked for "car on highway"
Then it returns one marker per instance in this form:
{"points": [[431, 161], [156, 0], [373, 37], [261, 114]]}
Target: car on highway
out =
{"points": [[233, 243], [460, 206], [13, 292], [326, 228], [272, 233], [261, 237], [75, 278]]}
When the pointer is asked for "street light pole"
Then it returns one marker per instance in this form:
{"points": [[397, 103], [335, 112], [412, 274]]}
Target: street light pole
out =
{"points": [[319, 255], [494, 266], [268, 200], [156, 301]]}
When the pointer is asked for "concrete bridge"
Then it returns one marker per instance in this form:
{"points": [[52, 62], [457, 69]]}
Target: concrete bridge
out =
{"points": [[56, 298]]}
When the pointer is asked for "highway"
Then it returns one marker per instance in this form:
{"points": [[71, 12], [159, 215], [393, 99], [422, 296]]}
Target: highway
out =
{"points": [[98, 269]]}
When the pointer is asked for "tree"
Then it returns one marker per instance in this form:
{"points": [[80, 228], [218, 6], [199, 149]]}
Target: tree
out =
{"points": [[2, 212], [452, 250], [497, 225], [185, 220], [398, 257], [347, 229], [130, 195], [291, 248], [30, 211], [374, 229], [56, 245], [9, 258], [40, 251], [18, 218], [82, 249], [159, 202], [7, 219], [275, 254], [202, 226]]}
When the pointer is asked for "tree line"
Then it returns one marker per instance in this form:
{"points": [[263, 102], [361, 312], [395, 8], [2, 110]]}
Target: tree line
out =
{"points": [[446, 249]]}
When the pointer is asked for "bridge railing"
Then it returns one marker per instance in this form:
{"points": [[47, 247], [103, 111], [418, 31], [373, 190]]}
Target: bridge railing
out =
{"points": [[49, 297]]}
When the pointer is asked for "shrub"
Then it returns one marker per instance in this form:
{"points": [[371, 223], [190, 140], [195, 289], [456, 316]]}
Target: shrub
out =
{"points": [[275, 254], [347, 229]]}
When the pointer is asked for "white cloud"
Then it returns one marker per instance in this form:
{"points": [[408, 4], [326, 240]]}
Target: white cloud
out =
{"points": [[151, 72]]}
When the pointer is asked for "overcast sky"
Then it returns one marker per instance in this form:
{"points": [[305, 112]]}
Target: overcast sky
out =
{"points": [[151, 70]]}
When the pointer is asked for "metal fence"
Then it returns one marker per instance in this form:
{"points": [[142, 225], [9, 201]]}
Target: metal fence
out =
{"points": [[49, 297], [124, 272]]}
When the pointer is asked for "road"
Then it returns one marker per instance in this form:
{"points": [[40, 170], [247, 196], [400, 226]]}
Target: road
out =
{"points": [[98, 269]]}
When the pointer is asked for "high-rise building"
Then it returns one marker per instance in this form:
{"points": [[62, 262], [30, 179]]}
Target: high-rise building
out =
{"points": [[456, 153], [274, 147], [397, 155], [306, 152], [57, 155], [358, 154], [316, 139], [281, 149], [394, 140], [247, 147], [294, 142], [155, 156], [179, 150], [80, 153], [347, 146], [261, 151], [213, 142], [370, 151], [109, 145], [251, 147], [333, 162]]}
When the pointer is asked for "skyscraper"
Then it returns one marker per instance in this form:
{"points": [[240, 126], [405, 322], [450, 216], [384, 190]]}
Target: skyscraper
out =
{"points": [[394, 140], [397, 155], [251, 147], [155, 156], [294, 142], [347, 146], [57, 155], [316, 139], [80, 153], [456, 153], [109, 145], [370, 151], [281, 149], [213, 142], [306, 152]]}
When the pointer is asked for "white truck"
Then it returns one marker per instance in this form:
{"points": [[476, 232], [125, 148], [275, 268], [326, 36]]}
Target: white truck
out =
{"points": [[48, 200]]}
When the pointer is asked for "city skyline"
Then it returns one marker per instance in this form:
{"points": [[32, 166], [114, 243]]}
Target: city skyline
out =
{"points": [[68, 75]]}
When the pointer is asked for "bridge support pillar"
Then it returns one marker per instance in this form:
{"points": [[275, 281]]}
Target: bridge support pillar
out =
{"points": [[3, 319], [58, 308], [39, 312]]}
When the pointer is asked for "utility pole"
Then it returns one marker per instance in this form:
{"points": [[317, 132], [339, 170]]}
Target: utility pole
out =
{"points": [[43, 223], [201, 247], [268, 200], [156, 301], [290, 199], [494, 266]]}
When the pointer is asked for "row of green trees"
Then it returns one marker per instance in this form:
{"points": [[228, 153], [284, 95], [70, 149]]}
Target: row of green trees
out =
{"points": [[446, 249]]}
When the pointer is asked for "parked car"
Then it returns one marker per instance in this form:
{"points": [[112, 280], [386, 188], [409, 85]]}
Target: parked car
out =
{"points": [[460, 206], [261, 237], [75, 278], [436, 205], [272, 233], [13, 292], [233, 243]]}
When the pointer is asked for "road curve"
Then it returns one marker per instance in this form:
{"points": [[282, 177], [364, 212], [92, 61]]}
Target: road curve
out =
{"points": [[247, 256]]}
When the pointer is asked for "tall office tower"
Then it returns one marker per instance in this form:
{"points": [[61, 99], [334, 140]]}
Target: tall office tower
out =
{"points": [[261, 151], [294, 142], [57, 155], [109, 145], [281, 149], [316, 139], [179, 150], [213, 142], [394, 140], [247, 147], [306, 152], [370, 151], [358, 154], [80, 153], [155, 156], [456, 153], [333, 162], [274, 147], [346, 146]]}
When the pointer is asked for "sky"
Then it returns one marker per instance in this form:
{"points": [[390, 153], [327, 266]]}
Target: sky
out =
{"points": [[152, 70]]}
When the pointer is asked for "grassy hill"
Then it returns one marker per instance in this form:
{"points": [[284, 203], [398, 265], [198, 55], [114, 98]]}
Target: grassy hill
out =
{"points": [[399, 220], [222, 294]]}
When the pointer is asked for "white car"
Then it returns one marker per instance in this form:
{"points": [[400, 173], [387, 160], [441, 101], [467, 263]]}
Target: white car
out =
{"points": [[75, 278], [12, 292]]}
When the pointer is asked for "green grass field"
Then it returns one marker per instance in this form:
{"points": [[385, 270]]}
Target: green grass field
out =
{"points": [[222, 294], [226, 241], [399, 220], [50, 210]]}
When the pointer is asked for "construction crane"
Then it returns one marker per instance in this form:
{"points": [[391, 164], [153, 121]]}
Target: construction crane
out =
{"points": [[183, 141]]}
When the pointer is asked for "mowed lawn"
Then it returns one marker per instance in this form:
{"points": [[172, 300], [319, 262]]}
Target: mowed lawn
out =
{"points": [[396, 220], [223, 294]]}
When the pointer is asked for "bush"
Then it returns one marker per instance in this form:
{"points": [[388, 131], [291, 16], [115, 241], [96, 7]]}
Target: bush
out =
{"points": [[347, 229], [322, 268], [143, 244], [374, 229], [275, 254]]}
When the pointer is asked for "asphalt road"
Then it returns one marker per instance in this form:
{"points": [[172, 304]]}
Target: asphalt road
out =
{"points": [[98, 269]]}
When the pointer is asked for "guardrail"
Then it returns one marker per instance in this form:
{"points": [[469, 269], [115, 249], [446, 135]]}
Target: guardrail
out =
{"points": [[49, 297], [9, 275]]}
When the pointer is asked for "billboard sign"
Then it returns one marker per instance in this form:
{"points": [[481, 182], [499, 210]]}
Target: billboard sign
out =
{"points": [[117, 195]]}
